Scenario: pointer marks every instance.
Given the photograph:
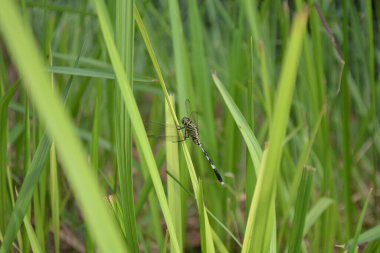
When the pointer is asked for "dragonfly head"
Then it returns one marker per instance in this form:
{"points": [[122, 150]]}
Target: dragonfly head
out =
{"points": [[186, 121]]}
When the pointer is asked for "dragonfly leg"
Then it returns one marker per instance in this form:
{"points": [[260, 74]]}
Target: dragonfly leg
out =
{"points": [[185, 137]]}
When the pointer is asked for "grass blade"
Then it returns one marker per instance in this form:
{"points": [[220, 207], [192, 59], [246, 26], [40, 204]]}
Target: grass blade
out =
{"points": [[5, 207], [124, 40], [172, 166], [25, 54], [354, 242], [301, 207]]}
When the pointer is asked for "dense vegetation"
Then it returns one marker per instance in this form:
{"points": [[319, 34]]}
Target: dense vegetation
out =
{"points": [[286, 96]]}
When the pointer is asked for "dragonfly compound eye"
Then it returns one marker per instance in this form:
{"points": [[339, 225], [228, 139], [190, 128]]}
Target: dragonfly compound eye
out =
{"points": [[185, 121]]}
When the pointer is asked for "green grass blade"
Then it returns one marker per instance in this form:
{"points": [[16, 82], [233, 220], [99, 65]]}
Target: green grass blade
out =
{"points": [[370, 235], [314, 214], [5, 206], [301, 208], [354, 242], [124, 40], [25, 54], [54, 198]]}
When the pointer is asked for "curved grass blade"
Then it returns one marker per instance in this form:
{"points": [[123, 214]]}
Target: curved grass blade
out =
{"points": [[24, 51], [249, 138], [31, 179], [313, 215]]}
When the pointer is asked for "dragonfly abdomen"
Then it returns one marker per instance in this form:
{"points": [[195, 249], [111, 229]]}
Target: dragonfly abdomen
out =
{"points": [[218, 176]]}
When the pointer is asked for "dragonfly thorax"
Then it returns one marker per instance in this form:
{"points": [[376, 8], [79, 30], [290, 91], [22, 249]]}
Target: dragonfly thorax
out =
{"points": [[186, 121]]}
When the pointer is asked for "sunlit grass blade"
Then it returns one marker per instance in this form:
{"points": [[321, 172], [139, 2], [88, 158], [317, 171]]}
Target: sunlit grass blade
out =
{"points": [[202, 226], [219, 245], [259, 226], [30, 183], [32, 236], [24, 52], [172, 166]]}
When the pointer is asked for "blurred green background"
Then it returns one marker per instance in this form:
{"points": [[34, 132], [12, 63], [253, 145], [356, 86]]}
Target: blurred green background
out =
{"points": [[286, 96]]}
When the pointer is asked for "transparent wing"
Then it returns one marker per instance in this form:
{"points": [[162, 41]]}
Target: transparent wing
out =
{"points": [[190, 113], [188, 107], [156, 130]]}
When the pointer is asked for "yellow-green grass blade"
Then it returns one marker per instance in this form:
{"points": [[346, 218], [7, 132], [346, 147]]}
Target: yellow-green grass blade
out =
{"points": [[24, 52], [218, 242], [137, 123], [202, 226], [31, 179], [205, 229], [259, 231], [172, 166], [32, 236]]}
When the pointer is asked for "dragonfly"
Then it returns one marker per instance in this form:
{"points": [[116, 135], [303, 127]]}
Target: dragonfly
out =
{"points": [[190, 126]]}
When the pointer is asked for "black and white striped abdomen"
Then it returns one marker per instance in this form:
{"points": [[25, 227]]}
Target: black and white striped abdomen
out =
{"points": [[218, 176]]}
